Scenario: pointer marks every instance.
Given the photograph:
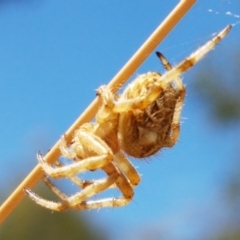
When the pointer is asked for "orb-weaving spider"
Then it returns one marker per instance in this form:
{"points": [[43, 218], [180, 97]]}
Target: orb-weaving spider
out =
{"points": [[137, 123]]}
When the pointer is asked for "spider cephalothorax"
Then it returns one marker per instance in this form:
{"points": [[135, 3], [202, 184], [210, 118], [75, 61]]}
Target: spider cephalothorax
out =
{"points": [[138, 123]]}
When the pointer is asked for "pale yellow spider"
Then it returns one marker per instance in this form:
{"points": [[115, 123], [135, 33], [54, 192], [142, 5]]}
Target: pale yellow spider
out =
{"points": [[137, 123]]}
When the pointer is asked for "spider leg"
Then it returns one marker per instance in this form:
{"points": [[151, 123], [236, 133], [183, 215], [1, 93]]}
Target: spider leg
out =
{"points": [[166, 64], [124, 105], [55, 206], [72, 201], [91, 163], [59, 193], [106, 202], [66, 152], [175, 128], [128, 169], [187, 63], [101, 149], [79, 182], [76, 180], [121, 182]]}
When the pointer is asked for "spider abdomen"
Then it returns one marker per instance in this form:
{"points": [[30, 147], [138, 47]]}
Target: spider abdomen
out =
{"points": [[142, 133]]}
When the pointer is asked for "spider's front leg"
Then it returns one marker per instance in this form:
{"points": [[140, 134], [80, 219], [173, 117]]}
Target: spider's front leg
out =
{"points": [[140, 93], [90, 151], [141, 102]]}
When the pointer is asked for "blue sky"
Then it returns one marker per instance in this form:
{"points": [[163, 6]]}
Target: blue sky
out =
{"points": [[54, 54]]}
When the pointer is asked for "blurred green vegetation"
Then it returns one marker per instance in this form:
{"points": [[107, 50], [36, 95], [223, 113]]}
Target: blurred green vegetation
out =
{"points": [[220, 92], [220, 95], [29, 221]]}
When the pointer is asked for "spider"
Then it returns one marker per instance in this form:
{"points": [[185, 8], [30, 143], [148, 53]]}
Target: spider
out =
{"points": [[141, 121]]}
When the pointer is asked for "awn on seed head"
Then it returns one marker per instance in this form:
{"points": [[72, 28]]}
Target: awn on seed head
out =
{"points": [[141, 121]]}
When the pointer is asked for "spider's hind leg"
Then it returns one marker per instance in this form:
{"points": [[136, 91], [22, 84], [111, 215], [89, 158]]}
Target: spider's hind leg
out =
{"points": [[59, 193]]}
